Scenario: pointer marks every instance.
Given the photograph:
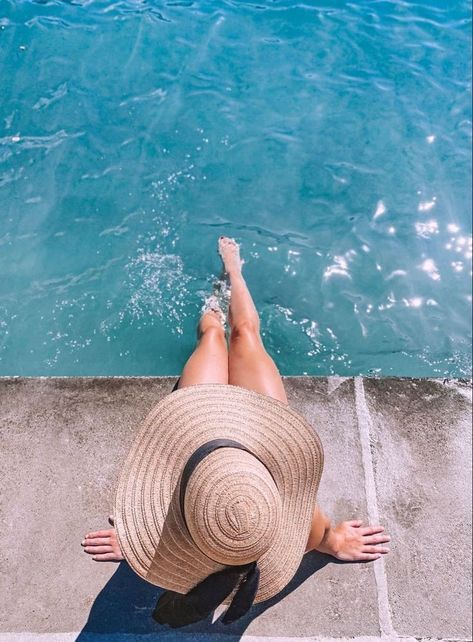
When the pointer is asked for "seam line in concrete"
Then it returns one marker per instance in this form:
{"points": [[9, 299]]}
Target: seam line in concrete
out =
{"points": [[365, 430]]}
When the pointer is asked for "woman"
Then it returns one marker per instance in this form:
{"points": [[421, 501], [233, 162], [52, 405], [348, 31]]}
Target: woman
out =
{"points": [[247, 365]]}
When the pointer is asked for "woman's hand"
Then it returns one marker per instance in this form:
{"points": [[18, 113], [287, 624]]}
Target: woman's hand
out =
{"points": [[103, 545], [352, 542]]}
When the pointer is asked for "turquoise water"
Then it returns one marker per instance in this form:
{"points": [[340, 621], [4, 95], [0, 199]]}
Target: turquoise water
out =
{"points": [[332, 140]]}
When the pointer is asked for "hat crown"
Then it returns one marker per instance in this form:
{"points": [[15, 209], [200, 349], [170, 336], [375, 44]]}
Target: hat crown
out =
{"points": [[232, 506], [239, 516]]}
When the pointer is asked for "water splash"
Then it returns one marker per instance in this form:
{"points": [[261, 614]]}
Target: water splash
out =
{"points": [[160, 288]]}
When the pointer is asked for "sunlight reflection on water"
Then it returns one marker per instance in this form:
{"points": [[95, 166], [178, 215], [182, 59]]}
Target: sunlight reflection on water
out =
{"points": [[333, 142]]}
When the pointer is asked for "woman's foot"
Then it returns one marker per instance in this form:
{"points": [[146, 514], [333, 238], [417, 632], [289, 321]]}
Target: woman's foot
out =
{"points": [[352, 542], [103, 545], [212, 315], [229, 250]]}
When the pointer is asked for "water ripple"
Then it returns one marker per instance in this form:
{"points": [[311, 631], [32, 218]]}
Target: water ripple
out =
{"points": [[333, 141], [40, 142]]}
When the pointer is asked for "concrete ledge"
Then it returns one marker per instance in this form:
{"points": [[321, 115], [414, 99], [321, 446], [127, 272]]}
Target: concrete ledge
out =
{"points": [[171, 636], [397, 451]]}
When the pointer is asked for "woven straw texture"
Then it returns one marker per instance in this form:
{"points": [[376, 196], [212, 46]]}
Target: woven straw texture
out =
{"points": [[236, 510]]}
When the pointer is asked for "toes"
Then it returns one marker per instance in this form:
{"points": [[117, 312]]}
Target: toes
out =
{"points": [[98, 549], [226, 241]]}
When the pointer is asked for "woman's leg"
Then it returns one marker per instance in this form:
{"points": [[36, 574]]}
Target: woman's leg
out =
{"points": [[207, 364], [249, 365], [209, 361]]}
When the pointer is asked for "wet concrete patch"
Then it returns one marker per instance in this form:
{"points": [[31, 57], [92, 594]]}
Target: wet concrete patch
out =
{"points": [[421, 445]]}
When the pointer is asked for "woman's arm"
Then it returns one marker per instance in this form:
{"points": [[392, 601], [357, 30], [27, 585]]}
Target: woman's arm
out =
{"points": [[318, 530]]}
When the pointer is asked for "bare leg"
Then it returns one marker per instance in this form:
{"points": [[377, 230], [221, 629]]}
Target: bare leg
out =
{"points": [[249, 365], [209, 361], [207, 364], [349, 541]]}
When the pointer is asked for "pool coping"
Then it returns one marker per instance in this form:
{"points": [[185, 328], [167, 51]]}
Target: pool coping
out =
{"points": [[386, 463]]}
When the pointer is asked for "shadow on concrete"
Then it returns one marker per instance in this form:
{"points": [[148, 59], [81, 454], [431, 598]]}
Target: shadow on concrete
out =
{"points": [[124, 608]]}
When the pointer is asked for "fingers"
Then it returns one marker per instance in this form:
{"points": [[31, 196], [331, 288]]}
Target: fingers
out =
{"points": [[107, 533], [372, 537], [96, 541], [371, 530], [376, 539], [98, 549], [105, 557], [369, 557], [356, 523], [375, 549]]}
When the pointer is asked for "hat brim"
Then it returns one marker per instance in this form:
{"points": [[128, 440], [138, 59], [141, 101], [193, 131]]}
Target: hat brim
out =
{"points": [[151, 531]]}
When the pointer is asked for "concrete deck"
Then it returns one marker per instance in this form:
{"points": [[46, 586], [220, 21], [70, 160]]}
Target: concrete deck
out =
{"points": [[397, 451]]}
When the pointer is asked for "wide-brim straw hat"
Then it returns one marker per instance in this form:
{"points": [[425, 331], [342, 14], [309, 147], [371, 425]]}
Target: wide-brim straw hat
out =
{"points": [[239, 505]]}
